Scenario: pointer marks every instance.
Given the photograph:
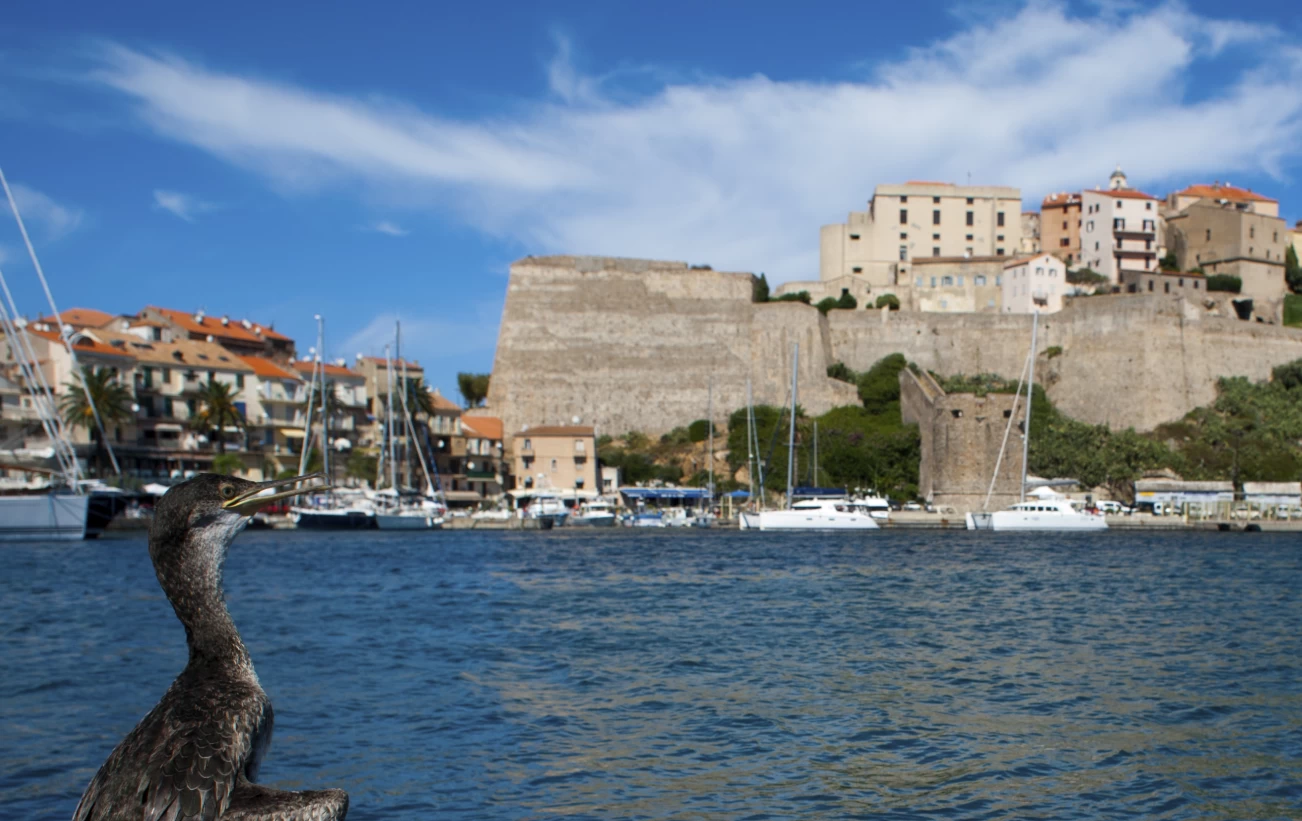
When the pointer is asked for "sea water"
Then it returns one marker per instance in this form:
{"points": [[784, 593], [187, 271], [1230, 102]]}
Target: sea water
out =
{"points": [[694, 674]]}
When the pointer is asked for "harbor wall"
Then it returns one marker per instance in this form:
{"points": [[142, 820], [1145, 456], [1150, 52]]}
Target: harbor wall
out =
{"points": [[627, 344]]}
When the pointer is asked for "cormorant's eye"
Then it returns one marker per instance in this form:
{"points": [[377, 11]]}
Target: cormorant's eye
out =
{"points": [[227, 492]]}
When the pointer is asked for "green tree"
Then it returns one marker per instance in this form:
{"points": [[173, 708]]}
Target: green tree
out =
{"points": [[1169, 263], [227, 464], [1224, 282], [473, 387], [1085, 276], [1289, 375], [847, 302], [759, 289], [826, 304], [838, 370], [879, 386], [890, 300], [110, 397], [1292, 270], [218, 411], [699, 430]]}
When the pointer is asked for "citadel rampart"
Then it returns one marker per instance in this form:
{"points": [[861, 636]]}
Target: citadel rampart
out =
{"points": [[629, 344]]}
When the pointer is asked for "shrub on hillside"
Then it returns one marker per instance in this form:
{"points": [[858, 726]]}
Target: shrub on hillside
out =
{"points": [[759, 289], [888, 299], [1224, 282], [699, 430], [839, 370], [798, 296], [880, 385], [1288, 375], [847, 302], [1085, 276], [826, 304]]}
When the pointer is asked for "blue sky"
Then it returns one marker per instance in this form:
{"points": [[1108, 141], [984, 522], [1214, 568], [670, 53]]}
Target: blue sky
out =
{"points": [[390, 160]]}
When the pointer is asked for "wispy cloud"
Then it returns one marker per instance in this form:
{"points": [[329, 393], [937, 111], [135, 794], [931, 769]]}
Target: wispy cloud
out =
{"points": [[385, 227], [185, 206], [45, 218], [739, 172]]}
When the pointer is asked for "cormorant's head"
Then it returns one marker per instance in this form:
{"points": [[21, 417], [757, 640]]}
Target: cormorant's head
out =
{"points": [[211, 509]]}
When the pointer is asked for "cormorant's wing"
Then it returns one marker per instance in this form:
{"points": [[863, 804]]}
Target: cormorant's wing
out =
{"points": [[252, 802], [182, 762]]}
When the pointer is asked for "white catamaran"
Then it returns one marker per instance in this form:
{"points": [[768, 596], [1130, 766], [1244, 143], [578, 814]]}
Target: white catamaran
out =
{"points": [[1049, 510]]}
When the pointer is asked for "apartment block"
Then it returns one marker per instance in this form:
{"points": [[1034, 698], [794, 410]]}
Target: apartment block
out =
{"points": [[1219, 237], [1060, 223], [917, 220], [556, 458], [1035, 283], [1120, 231]]}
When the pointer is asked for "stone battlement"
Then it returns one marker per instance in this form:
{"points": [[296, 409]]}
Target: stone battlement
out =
{"points": [[629, 344]]}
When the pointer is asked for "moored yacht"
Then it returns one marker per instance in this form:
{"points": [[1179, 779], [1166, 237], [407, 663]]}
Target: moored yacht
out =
{"points": [[594, 513], [817, 514], [1049, 513]]}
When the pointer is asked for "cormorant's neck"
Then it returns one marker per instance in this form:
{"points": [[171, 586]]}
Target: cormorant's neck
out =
{"points": [[193, 584]]}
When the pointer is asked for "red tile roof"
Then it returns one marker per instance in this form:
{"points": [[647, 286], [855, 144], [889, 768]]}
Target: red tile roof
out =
{"points": [[1060, 200], [85, 344], [380, 361], [80, 318], [1125, 194], [1223, 192], [233, 329], [305, 366], [485, 427], [441, 402], [268, 369]]}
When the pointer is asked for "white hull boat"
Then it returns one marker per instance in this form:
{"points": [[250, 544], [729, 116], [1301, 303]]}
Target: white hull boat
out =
{"points": [[408, 520], [43, 517], [816, 514], [1038, 515]]}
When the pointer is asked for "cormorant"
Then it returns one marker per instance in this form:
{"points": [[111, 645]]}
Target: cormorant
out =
{"points": [[196, 754]]}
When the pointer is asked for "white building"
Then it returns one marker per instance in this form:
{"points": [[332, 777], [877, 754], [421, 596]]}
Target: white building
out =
{"points": [[1120, 230], [1034, 283]]}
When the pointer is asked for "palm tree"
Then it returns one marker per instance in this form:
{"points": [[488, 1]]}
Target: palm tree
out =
{"points": [[419, 398], [110, 397], [334, 406], [219, 411]]}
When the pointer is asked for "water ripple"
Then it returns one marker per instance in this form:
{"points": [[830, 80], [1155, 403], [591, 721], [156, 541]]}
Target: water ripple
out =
{"points": [[690, 675]]}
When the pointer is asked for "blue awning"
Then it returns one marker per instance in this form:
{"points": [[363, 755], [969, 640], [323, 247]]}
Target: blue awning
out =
{"points": [[738, 494], [673, 493]]}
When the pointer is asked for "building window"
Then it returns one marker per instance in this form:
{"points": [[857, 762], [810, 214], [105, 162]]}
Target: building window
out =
{"points": [[958, 280], [944, 304], [1118, 203], [935, 217], [947, 281], [1096, 245], [1089, 226], [979, 280], [999, 252], [967, 252], [933, 282], [999, 280], [1064, 242], [1209, 235], [528, 445], [1195, 284], [904, 252], [1252, 232], [854, 236], [553, 466], [969, 217], [239, 381], [1168, 287], [1150, 285], [1000, 238], [1119, 224], [904, 216], [1064, 225], [1039, 270], [936, 200], [968, 238], [935, 237], [999, 219], [1148, 206], [857, 270], [935, 251], [1181, 282], [969, 200], [904, 199], [918, 282]]}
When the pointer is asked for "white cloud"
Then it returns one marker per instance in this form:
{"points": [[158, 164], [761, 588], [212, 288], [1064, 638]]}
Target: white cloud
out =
{"points": [[185, 206], [46, 219], [740, 172], [385, 227]]}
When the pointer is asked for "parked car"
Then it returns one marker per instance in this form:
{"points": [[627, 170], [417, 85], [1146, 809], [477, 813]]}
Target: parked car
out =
{"points": [[912, 506], [1114, 508]]}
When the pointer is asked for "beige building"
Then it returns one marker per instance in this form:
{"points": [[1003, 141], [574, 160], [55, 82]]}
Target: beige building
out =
{"points": [[955, 285], [1242, 199], [915, 220], [1191, 285], [1223, 236], [1060, 222], [1035, 283], [486, 467], [557, 458]]}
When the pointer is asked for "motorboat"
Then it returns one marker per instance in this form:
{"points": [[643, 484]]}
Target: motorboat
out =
{"points": [[594, 513], [335, 511], [817, 514], [550, 510], [649, 518], [676, 517], [875, 506], [1038, 514], [406, 512]]}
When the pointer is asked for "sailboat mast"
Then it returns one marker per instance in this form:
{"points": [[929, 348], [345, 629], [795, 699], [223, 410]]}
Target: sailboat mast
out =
{"points": [[388, 418], [307, 422], [750, 452], [791, 437], [709, 414], [1030, 389], [815, 482], [325, 413]]}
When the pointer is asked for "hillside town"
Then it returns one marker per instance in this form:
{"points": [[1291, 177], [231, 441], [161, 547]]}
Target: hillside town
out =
{"points": [[196, 392]]}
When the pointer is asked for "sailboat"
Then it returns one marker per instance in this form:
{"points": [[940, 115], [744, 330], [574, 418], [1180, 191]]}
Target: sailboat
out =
{"points": [[331, 510], [401, 510], [1048, 510], [810, 514], [705, 518], [62, 509], [749, 519]]}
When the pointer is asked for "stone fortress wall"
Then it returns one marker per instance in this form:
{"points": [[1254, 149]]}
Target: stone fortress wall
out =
{"points": [[628, 344]]}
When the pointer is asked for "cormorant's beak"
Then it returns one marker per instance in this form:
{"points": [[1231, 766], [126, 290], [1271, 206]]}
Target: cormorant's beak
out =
{"points": [[252, 501]]}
